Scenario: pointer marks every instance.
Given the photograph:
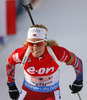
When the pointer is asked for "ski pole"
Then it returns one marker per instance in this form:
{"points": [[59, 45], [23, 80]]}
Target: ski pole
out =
{"points": [[79, 96], [28, 7]]}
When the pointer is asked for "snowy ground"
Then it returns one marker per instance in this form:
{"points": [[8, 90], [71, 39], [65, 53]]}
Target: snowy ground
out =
{"points": [[67, 24]]}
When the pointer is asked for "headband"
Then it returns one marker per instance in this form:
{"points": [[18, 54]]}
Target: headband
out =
{"points": [[37, 33]]}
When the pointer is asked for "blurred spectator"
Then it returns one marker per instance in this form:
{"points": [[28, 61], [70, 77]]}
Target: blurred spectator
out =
{"points": [[19, 7], [2, 21], [9, 9], [11, 17]]}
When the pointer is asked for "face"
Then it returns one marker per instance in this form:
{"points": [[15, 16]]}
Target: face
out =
{"points": [[37, 47]]}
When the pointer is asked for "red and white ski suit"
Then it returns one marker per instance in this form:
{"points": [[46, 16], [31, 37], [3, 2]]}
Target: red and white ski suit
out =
{"points": [[41, 74]]}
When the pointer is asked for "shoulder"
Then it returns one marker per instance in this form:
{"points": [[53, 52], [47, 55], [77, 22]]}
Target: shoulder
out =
{"points": [[62, 53], [58, 49], [18, 54], [21, 50]]}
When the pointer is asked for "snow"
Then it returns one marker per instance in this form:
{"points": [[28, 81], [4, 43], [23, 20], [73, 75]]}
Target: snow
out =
{"points": [[66, 21]]}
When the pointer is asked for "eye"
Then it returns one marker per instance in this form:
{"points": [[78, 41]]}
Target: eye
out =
{"points": [[31, 43], [39, 43]]}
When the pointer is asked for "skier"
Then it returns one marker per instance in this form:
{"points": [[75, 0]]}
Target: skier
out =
{"points": [[41, 70]]}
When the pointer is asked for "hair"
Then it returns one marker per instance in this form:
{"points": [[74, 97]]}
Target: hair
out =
{"points": [[49, 42], [52, 43]]}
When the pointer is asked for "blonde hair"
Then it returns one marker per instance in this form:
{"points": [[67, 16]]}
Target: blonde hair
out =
{"points": [[52, 43], [49, 42]]}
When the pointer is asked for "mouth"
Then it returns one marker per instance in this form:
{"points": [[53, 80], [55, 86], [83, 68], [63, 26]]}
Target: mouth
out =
{"points": [[36, 52]]}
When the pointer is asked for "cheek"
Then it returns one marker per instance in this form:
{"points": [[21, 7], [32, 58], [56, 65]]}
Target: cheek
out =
{"points": [[30, 48], [42, 48]]}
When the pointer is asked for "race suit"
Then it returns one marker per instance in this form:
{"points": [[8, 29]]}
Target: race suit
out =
{"points": [[41, 74]]}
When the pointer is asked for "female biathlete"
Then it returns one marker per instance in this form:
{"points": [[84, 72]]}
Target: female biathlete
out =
{"points": [[41, 69]]}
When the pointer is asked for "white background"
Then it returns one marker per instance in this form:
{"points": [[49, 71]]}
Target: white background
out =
{"points": [[66, 21]]}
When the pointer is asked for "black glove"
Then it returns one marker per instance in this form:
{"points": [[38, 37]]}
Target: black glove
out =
{"points": [[13, 91], [76, 86]]}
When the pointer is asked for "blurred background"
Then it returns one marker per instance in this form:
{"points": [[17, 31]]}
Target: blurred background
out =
{"points": [[66, 21]]}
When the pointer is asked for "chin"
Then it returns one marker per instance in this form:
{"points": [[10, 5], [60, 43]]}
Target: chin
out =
{"points": [[36, 55]]}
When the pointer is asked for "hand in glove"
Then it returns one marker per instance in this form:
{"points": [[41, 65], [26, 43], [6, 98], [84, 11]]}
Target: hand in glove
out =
{"points": [[13, 91], [76, 86]]}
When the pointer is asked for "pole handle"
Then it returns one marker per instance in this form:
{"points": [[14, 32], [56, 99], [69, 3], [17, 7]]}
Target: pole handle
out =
{"points": [[28, 8]]}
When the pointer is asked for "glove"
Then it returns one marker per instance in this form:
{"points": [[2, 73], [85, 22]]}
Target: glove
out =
{"points": [[76, 86], [13, 91]]}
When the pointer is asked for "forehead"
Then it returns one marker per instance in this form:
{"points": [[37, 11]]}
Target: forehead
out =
{"points": [[33, 40]]}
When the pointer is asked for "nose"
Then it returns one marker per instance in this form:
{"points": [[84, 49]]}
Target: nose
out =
{"points": [[34, 45]]}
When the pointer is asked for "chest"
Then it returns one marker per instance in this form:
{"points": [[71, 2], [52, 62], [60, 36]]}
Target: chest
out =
{"points": [[43, 67]]}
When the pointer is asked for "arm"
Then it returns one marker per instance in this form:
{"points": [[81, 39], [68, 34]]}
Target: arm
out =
{"points": [[12, 60], [15, 58], [78, 66], [70, 58]]}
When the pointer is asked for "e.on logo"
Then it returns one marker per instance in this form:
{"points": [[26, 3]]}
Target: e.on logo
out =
{"points": [[32, 70]]}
